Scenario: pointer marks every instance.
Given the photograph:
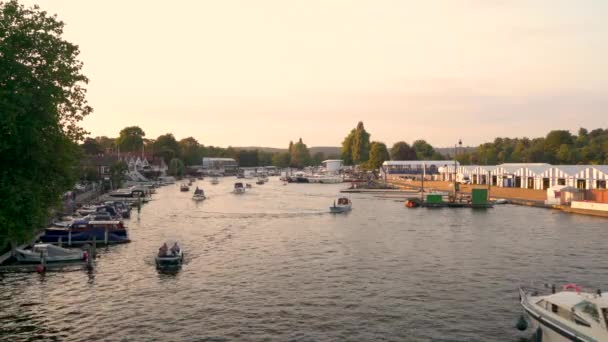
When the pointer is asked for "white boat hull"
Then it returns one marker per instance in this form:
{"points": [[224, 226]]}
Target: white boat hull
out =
{"points": [[340, 209]]}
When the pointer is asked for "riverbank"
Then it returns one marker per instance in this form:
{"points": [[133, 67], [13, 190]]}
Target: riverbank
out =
{"points": [[518, 196]]}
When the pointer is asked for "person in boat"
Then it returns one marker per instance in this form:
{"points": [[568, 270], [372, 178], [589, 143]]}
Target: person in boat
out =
{"points": [[162, 251], [175, 249]]}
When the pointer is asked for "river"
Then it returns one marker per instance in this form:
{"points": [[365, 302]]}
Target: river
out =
{"points": [[274, 265]]}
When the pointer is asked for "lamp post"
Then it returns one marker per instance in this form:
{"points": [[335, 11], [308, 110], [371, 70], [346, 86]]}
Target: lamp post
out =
{"points": [[455, 165]]}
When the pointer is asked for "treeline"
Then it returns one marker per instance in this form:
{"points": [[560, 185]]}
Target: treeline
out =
{"points": [[357, 149], [189, 151], [558, 147]]}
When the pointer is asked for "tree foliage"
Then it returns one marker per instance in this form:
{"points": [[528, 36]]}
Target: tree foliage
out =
{"points": [[281, 160], [402, 151], [557, 147], [42, 99], [167, 147], [377, 155], [356, 146], [191, 151], [131, 139], [176, 168], [90, 146], [300, 156]]}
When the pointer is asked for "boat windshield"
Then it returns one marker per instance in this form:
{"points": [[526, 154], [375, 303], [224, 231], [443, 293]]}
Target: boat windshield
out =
{"points": [[589, 309]]}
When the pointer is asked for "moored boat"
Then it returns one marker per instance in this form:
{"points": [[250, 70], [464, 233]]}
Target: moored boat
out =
{"points": [[81, 232], [50, 254], [567, 315], [343, 205]]}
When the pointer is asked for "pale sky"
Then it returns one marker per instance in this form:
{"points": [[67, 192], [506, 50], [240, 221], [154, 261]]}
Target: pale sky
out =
{"points": [[263, 72]]}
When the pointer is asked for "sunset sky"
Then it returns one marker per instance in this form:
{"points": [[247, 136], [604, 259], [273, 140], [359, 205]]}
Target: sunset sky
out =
{"points": [[264, 72]]}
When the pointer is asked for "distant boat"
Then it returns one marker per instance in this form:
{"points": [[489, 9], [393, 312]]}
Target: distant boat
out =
{"points": [[49, 252], [215, 181], [260, 181], [343, 205], [184, 187], [239, 188], [199, 194]]}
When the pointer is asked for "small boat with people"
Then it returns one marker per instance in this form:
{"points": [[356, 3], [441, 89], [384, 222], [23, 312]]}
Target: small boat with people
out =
{"points": [[169, 256], [567, 315], [49, 253], [215, 181], [239, 188], [184, 187], [260, 181], [199, 194], [343, 204]]}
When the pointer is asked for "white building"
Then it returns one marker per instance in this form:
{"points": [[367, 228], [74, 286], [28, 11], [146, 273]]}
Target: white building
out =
{"points": [[332, 165], [417, 167], [537, 176]]}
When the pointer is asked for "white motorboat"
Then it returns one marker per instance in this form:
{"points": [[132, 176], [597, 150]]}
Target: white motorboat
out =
{"points": [[49, 252], [215, 181], [169, 256], [567, 315], [342, 205], [199, 194], [239, 188]]}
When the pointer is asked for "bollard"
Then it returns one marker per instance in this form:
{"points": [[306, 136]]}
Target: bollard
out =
{"points": [[70, 237], [105, 236], [60, 242]]}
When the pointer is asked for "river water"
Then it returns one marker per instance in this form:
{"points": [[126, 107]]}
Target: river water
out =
{"points": [[274, 265]]}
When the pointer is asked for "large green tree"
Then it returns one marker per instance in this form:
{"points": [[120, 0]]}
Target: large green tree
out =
{"points": [[191, 151], [300, 156], [42, 99], [402, 151], [356, 145], [377, 155], [167, 147], [131, 139], [281, 159], [91, 146]]}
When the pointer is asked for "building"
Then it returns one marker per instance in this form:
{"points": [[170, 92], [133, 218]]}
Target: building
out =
{"points": [[537, 176], [432, 168], [332, 165], [227, 166]]}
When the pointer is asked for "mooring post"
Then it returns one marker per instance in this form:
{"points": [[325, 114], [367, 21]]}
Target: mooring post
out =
{"points": [[94, 252], [70, 237], [105, 236], [60, 241]]}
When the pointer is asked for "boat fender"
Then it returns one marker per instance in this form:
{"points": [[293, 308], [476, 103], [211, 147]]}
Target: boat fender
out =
{"points": [[538, 337], [85, 256], [40, 268], [522, 324]]}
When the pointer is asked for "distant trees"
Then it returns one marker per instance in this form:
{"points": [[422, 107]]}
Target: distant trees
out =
{"points": [[402, 151], [91, 146], [281, 159], [176, 168], [425, 151], [557, 147], [356, 146], [131, 139], [318, 158], [190, 151]]}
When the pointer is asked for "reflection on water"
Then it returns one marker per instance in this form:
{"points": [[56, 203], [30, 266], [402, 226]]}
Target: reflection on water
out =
{"points": [[273, 264]]}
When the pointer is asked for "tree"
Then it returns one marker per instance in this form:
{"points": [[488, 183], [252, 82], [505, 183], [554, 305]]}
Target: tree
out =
{"points": [[117, 173], [402, 151], [424, 150], [167, 147], [318, 158], [300, 156], [176, 168], [247, 158], [131, 139], [346, 152], [42, 99], [281, 160], [361, 144], [90, 146], [191, 151], [106, 144], [264, 158], [378, 154]]}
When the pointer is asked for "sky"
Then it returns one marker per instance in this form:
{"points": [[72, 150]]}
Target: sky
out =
{"points": [[264, 72]]}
